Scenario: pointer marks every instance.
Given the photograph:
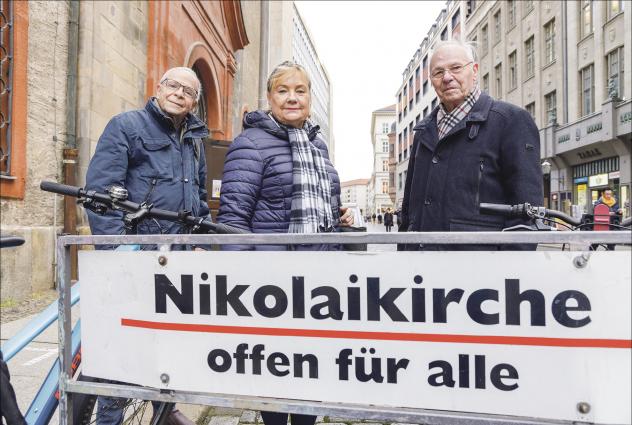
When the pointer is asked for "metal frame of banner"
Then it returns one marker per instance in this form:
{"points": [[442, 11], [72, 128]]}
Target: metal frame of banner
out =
{"points": [[580, 241]]}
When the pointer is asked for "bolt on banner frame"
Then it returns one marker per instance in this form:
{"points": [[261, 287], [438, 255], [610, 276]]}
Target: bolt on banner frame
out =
{"points": [[351, 410]]}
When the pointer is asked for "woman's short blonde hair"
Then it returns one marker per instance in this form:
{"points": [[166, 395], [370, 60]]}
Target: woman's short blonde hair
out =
{"points": [[284, 69]]}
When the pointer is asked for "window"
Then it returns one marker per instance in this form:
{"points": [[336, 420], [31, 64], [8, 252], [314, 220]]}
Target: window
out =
{"points": [[417, 118], [417, 97], [455, 20], [406, 153], [399, 117], [549, 42], [384, 145], [13, 97], [550, 103], [425, 87], [486, 83], [411, 133], [497, 26], [384, 128], [433, 104], [385, 186], [528, 6], [511, 13], [417, 80], [614, 8], [615, 73], [498, 74], [484, 41], [531, 109], [399, 180], [587, 90], [444, 34], [425, 112], [586, 19], [470, 7], [513, 70], [529, 48], [385, 163]]}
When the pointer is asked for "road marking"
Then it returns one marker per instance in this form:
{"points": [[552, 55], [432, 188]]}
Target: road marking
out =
{"points": [[48, 352]]}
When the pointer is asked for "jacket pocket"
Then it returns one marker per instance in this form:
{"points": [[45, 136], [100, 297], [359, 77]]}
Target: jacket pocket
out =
{"points": [[157, 158], [460, 225]]}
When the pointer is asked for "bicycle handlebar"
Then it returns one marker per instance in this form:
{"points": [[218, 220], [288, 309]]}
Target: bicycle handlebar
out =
{"points": [[526, 210], [11, 241], [88, 197]]}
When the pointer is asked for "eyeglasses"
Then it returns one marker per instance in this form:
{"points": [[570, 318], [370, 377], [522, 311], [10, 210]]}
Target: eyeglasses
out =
{"points": [[174, 85], [438, 74]]}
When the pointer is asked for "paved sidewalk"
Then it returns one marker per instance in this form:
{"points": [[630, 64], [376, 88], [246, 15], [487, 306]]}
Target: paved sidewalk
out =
{"points": [[226, 416]]}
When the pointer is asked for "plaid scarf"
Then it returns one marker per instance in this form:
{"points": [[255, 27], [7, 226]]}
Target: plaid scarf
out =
{"points": [[447, 120], [311, 190]]}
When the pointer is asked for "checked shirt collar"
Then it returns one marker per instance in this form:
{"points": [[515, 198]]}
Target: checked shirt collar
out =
{"points": [[446, 121]]}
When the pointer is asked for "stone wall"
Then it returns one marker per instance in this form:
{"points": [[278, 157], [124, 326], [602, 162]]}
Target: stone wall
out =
{"points": [[30, 268], [246, 86], [112, 69]]}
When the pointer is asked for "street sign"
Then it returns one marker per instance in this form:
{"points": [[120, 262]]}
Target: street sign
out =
{"points": [[526, 334]]}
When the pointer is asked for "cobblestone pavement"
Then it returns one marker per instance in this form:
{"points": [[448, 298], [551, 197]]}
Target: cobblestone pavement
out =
{"points": [[226, 416]]}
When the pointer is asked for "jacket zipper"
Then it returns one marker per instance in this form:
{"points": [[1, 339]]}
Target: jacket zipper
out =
{"points": [[481, 166]]}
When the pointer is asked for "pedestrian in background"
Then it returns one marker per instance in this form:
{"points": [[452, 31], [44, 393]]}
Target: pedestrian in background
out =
{"points": [[470, 149], [278, 177], [388, 220], [379, 218], [608, 199], [156, 153]]}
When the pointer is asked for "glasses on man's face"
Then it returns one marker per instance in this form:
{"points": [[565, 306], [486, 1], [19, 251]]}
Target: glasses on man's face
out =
{"points": [[438, 74], [174, 85]]}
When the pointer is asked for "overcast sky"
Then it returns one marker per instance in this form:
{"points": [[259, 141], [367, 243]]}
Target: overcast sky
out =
{"points": [[365, 46]]}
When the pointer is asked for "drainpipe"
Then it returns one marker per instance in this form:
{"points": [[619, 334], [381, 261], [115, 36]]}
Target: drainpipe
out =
{"points": [[565, 62], [70, 150], [263, 52]]}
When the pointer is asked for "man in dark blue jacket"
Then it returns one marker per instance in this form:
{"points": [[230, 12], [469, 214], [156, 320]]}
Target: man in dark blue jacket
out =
{"points": [[470, 149], [156, 153]]}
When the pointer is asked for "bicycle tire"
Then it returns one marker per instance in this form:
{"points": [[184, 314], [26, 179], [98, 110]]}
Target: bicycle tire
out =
{"points": [[134, 411]]}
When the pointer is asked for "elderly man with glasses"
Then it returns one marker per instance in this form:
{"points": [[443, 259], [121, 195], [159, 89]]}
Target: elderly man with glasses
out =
{"points": [[470, 149], [156, 153]]}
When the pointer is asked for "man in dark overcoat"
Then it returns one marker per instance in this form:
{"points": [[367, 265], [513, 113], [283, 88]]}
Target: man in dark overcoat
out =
{"points": [[470, 149]]}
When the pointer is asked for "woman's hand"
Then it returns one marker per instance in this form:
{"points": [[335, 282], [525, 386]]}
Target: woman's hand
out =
{"points": [[346, 217]]}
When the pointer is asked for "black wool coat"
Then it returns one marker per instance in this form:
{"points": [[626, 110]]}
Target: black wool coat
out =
{"points": [[493, 155]]}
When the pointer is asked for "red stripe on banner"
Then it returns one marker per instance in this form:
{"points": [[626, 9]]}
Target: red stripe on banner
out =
{"points": [[384, 336]]}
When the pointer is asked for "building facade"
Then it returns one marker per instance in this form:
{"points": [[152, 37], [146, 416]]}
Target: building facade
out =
{"points": [[565, 63], [305, 54], [381, 123], [415, 97], [355, 192]]}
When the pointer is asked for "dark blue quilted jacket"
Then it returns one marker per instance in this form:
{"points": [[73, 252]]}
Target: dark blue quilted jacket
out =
{"points": [[256, 190]]}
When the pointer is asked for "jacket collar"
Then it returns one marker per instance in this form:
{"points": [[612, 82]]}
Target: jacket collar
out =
{"points": [[264, 121], [195, 128], [430, 133]]}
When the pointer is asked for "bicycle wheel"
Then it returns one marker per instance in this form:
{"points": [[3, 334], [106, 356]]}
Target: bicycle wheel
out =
{"points": [[132, 411]]}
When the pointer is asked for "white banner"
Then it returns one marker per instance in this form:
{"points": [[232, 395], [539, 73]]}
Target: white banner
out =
{"points": [[512, 333]]}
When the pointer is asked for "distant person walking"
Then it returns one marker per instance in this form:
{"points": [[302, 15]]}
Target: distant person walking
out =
{"points": [[379, 218], [388, 220]]}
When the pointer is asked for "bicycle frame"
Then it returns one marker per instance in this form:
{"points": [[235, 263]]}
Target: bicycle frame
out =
{"points": [[68, 386], [45, 401]]}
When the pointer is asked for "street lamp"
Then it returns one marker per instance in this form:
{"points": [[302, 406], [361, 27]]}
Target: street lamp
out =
{"points": [[546, 167]]}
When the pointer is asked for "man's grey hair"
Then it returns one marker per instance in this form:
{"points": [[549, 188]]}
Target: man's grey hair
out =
{"points": [[188, 71], [468, 46]]}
